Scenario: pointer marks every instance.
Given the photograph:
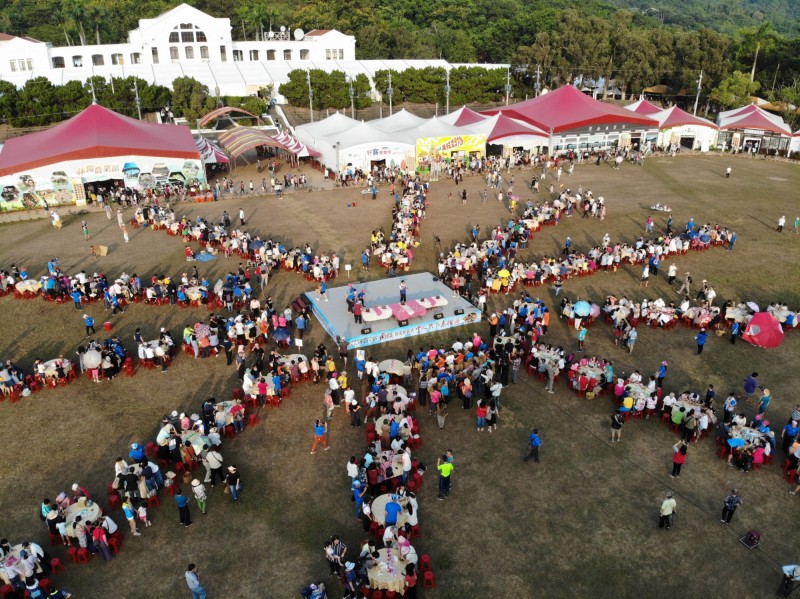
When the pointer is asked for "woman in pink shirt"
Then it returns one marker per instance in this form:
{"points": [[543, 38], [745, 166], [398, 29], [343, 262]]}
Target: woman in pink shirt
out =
{"points": [[435, 397]]}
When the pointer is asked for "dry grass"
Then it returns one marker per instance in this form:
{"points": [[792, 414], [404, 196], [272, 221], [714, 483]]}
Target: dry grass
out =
{"points": [[583, 521]]}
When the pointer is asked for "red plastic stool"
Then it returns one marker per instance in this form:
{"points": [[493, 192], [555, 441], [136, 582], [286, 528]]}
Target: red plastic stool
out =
{"points": [[150, 449], [7, 591], [73, 553], [114, 543], [180, 467], [171, 490], [84, 556], [45, 584], [237, 393], [56, 565], [429, 580], [54, 540], [153, 501], [375, 595], [424, 562], [114, 501], [254, 419]]}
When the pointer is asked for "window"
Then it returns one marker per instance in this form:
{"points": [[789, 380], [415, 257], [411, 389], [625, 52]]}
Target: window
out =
{"points": [[21, 65], [58, 62], [238, 56], [253, 54], [173, 53], [187, 37], [200, 36], [97, 60], [30, 63], [155, 55], [327, 54], [341, 54], [304, 55], [186, 26], [287, 54], [174, 37], [136, 58], [223, 54], [270, 54], [189, 52], [13, 64], [117, 59], [204, 52]]}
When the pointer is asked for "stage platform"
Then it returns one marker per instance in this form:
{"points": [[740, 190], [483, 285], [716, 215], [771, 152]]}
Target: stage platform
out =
{"points": [[430, 307]]}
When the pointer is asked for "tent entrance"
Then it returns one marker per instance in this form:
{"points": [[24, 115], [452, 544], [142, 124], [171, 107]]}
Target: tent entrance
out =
{"points": [[494, 150], [687, 141], [104, 188], [380, 164]]}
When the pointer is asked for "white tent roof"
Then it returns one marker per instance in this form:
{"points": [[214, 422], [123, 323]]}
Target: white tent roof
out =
{"points": [[362, 133], [336, 122], [402, 119], [433, 127]]}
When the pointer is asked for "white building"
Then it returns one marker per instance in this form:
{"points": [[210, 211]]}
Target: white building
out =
{"points": [[181, 42]]}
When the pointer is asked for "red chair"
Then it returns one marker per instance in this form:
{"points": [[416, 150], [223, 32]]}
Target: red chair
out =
{"points": [[416, 531], [429, 580], [114, 501], [7, 591], [56, 565], [54, 540], [412, 486], [180, 468], [171, 490], [251, 402], [150, 449], [285, 392], [73, 553], [254, 419], [237, 393], [45, 584], [665, 418], [390, 595], [153, 501], [230, 432], [375, 594], [84, 556], [424, 562], [115, 543]]}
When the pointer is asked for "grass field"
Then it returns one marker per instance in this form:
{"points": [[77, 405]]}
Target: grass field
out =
{"points": [[583, 522]]}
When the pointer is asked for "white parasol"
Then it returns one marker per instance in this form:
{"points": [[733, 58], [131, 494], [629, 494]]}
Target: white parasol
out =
{"points": [[92, 359]]}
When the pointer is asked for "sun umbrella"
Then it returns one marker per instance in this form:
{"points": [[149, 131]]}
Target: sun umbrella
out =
{"points": [[763, 330], [256, 244], [280, 335], [392, 367], [202, 330], [753, 306], [582, 308], [92, 359], [595, 311], [504, 273]]}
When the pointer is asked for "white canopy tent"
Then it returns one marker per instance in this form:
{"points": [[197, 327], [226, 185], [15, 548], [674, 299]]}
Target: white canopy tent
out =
{"points": [[402, 119]]}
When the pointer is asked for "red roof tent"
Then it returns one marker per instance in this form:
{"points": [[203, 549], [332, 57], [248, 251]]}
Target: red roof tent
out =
{"points": [[643, 107], [677, 117], [752, 117], [567, 108], [96, 133]]}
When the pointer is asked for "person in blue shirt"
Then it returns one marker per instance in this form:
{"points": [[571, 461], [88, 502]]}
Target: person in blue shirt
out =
{"points": [[300, 324], [735, 328], [763, 403], [731, 241], [76, 297], [701, 339], [567, 246], [359, 490], [136, 453], [365, 260], [393, 510], [535, 443], [790, 431], [662, 373], [183, 508], [89, 322]]}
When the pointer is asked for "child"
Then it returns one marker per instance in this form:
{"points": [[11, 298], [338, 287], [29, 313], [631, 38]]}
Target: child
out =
{"points": [[142, 513]]}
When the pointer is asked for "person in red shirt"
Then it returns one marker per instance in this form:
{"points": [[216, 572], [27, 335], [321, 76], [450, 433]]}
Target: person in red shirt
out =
{"points": [[678, 458], [410, 582], [480, 413]]}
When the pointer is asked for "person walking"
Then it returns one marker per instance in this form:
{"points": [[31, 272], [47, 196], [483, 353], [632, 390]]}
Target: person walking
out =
{"points": [[445, 468], [632, 337], [183, 508], [242, 221], [320, 436], [732, 502], [534, 442], [687, 285], [88, 322], [672, 271], [193, 582], [701, 339], [581, 338], [213, 462], [669, 508], [678, 458], [130, 515], [200, 496], [234, 482], [781, 224], [731, 241], [616, 427], [403, 291]]}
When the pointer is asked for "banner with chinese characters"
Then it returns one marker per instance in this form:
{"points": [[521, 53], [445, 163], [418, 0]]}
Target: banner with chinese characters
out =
{"points": [[73, 181], [433, 149], [383, 155]]}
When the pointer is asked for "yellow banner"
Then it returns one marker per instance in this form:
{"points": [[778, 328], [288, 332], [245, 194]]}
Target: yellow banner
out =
{"points": [[434, 149]]}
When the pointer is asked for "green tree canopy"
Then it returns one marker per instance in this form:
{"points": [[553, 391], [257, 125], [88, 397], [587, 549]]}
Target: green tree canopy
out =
{"points": [[734, 90]]}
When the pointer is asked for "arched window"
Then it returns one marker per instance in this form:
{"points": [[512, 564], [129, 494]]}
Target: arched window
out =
{"points": [[97, 60], [204, 52], [189, 52], [58, 62], [173, 53]]}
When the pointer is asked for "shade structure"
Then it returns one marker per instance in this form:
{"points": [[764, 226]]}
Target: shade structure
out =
{"points": [[763, 330], [754, 118], [210, 152], [308, 132], [500, 129], [582, 308], [463, 116], [238, 140], [96, 132], [293, 145], [676, 117], [402, 119], [224, 111], [566, 108], [643, 107]]}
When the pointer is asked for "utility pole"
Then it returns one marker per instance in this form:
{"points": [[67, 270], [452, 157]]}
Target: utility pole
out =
{"points": [[697, 95], [138, 102], [508, 85], [310, 96], [390, 93], [447, 92], [537, 86], [91, 85], [352, 99]]}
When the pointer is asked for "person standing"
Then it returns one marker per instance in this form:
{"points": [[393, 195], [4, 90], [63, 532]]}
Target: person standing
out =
{"points": [[701, 338], [242, 221], [669, 507], [735, 328], [234, 482], [781, 224], [672, 271], [88, 322], [193, 582], [678, 458], [567, 246], [632, 337], [732, 501], [645, 275], [534, 442], [731, 241], [403, 291], [581, 337], [85, 229], [183, 508], [445, 468], [130, 516], [200, 495], [616, 427], [320, 436], [687, 285]]}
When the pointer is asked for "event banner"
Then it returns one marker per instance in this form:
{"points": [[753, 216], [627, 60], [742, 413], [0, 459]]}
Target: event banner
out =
{"points": [[470, 316], [433, 149]]}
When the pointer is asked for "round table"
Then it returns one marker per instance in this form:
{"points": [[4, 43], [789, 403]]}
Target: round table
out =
{"points": [[591, 372], [389, 573], [15, 551], [387, 420], [194, 293], [296, 358], [50, 367], [379, 510], [196, 439], [32, 286], [392, 367], [637, 390], [395, 391], [88, 513]]}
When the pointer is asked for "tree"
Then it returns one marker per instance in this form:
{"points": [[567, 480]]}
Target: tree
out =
{"points": [[295, 90], [190, 98], [757, 39], [8, 100], [734, 90], [38, 103]]}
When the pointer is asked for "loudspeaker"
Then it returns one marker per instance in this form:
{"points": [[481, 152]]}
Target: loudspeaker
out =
{"points": [[366, 331], [459, 312], [403, 323], [438, 316]]}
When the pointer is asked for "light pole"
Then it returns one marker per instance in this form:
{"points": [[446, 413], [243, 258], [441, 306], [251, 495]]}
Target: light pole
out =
{"points": [[697, 94], [538, 86], [138, 102], [310, 96], [447, 91], [390, 93], [352, 99], [508, 85]]}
